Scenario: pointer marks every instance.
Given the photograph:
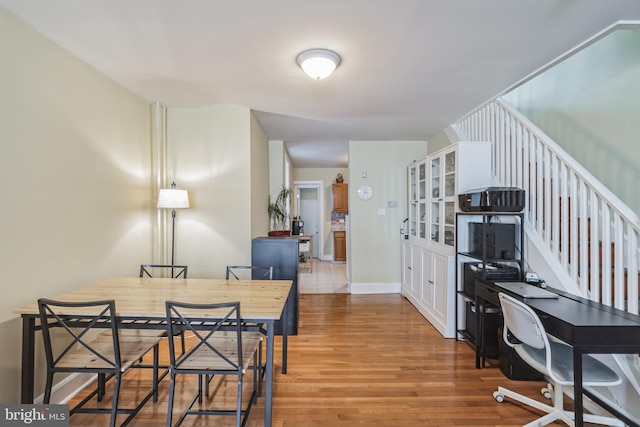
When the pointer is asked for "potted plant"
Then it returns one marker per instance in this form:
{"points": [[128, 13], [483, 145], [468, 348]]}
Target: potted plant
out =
{"points": [[278, 214], [339, 178]]}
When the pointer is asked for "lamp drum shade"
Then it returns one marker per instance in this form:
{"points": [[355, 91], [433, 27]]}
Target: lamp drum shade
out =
{"points": [[173, 198]]}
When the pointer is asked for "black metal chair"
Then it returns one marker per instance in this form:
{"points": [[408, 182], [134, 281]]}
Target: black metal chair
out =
{"points": [[177, 271], [88, 340], [221, 349], [254, 272]]}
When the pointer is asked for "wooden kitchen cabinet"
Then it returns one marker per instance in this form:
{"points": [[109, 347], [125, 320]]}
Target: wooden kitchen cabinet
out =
{"points": [[340, 197], [339, 246]]}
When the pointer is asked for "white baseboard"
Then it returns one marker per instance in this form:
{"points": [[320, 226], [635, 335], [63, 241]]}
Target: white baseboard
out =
{"points": [[375, 288], [66, 389]]}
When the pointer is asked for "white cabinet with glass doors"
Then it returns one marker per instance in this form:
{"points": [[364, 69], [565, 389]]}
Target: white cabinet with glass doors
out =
{"points": [[434, 185], [428, 278]]}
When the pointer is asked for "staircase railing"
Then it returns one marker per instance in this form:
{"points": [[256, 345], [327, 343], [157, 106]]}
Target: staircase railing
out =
{"points": [[600, 254]]}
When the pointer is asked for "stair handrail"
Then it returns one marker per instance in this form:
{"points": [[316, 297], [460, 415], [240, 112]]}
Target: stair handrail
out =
{"points": [[551, 170], [621, 207]]}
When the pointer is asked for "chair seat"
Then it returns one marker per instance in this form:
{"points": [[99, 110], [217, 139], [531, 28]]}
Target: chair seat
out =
{"points": [[594, 371], [133, 346], [227, 344]]}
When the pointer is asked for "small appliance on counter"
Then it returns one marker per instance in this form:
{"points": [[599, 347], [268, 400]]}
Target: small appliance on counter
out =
{"points": [[297, 227], [492, 199]]}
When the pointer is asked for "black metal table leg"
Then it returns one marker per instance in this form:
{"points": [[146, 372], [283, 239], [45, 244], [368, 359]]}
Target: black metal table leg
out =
{"points": [[28, 355]]}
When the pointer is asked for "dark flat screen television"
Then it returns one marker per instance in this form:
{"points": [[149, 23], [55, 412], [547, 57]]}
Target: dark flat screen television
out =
{"points": [[499, 239]]}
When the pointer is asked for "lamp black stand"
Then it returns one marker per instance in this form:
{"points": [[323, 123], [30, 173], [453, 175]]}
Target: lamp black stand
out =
{"points": [[173, 198], [173, 237]]}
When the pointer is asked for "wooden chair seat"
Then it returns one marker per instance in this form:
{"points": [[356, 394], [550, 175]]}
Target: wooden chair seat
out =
{"points": [[227, 345], [133, 346]]}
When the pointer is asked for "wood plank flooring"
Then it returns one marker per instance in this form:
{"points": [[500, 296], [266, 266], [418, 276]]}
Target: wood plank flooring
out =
{"points": [[362, 360]]}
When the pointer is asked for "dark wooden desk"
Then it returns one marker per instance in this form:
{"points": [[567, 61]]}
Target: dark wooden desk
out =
{"points": [[588, 326]]}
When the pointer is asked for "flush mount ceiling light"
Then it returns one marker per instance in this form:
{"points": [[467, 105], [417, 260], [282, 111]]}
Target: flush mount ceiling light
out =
{"points": [[318, 63]]}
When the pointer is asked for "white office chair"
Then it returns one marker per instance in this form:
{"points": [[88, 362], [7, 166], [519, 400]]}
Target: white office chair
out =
{"points": [[524, 332]]}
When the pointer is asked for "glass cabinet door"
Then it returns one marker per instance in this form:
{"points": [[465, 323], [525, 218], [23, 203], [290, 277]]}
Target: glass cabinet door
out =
{"points": [[417, 201], [413, 197], [422, 184], [435, 208], [449, 199], [443, 199], [449, 223], [450, 174]]}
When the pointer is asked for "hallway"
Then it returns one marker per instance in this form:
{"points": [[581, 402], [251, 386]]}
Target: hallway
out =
{"points": [[325, 277]]}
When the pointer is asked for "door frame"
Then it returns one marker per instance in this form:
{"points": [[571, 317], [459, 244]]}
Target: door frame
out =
{"points": [[319, 186]]}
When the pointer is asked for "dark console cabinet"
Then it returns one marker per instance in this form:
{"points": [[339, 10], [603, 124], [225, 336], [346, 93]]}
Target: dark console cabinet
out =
{"points": [[282, 254]]}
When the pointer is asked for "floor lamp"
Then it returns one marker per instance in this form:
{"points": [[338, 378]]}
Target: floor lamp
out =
{"points": [[173, 198]]}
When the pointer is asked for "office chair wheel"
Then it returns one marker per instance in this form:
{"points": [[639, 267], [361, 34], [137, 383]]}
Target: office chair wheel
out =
{"points": [[546, 393], [499, 397]]}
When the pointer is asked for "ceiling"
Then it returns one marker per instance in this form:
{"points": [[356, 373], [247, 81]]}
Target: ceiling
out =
{"points": [[409, 67]]}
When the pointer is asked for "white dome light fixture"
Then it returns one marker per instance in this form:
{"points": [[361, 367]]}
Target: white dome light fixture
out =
{"points": [[318, 63]]}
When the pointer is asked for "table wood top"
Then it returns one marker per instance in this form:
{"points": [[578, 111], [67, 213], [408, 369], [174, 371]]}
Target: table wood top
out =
{"points": [[145, 297]]}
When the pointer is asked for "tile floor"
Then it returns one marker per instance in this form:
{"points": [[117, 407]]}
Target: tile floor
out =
{"points": [[326, 277]]}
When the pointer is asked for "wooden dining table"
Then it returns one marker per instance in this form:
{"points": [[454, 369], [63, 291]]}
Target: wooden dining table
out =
{"points": [[140, 304]]}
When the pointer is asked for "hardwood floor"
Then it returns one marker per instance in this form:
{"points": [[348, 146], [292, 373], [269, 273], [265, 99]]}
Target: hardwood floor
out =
{"points": [[363, 360]]}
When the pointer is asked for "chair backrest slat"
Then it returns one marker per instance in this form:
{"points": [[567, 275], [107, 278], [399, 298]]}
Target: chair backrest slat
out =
{"points": [[212, 326], [256, 272], [80, 330], [175, 271]]}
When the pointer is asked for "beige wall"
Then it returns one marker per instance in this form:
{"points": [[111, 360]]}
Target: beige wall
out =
{"points": [[209, 154], [328, 177], [259, 180], [438, 142], [75, 180], [281, 170], [276, 167], [375, 239]]}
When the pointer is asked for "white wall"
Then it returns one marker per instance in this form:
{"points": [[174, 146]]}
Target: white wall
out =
{"points": [[75, 179], [375, 260], [209, 154]]}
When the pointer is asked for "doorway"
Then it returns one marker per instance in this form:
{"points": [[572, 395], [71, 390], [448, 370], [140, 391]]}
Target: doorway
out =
{"points": [[308, 199]]}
